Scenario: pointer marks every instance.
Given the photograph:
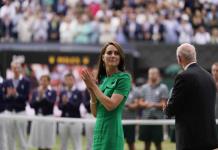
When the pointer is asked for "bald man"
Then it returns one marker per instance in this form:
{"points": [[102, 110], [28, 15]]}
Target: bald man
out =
{"points": [[193, 104]]}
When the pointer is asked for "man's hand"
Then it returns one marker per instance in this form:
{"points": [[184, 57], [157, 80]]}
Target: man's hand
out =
{"points": [[11, 91], [164, 107]]}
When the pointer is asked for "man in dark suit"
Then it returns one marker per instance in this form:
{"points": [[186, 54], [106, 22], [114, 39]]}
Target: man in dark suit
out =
{"points": [[193, 104]]}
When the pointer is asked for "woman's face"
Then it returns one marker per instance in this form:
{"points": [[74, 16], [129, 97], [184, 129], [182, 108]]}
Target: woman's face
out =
{"points": [[111, 57]]}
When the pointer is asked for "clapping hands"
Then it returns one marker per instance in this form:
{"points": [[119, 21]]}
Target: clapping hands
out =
{"points": [[11, 91], [88, 78]]}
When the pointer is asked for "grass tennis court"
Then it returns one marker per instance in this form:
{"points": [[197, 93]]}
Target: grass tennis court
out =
{"points": [[167, 145]]}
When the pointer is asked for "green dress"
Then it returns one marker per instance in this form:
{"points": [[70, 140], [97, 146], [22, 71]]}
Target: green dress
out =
{"points": [[108, 132]]}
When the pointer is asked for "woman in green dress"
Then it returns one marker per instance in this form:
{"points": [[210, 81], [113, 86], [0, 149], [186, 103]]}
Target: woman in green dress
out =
{"points": [[108, 95]]}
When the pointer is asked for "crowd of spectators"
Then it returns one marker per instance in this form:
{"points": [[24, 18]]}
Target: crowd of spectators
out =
{"points": [[97, 21]]}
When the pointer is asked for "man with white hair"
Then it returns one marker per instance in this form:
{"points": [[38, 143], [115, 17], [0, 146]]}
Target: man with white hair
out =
{"points": [[193, 104]]}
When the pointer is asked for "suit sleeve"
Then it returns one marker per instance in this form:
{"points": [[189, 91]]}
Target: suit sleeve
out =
{"points": [[176, 102]]}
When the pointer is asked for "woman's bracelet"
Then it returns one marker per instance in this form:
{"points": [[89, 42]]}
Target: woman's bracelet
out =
{"points": [[92, 103]]}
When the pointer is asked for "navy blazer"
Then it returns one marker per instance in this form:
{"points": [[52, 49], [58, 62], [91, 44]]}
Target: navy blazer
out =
{"points": [[43, 105], [2, 96], [71, 109], [18, 103]]}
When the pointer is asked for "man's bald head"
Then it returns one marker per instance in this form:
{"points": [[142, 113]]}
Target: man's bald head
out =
{"points": [[186, 54]]}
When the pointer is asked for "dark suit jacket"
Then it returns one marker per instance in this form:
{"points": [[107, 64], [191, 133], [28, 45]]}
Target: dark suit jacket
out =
{"points": [[18, 103], [193, 104], [71, 109], [43, 105]]}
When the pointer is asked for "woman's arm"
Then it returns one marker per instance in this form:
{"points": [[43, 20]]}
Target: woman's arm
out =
{"points": [[93, 103], [109, 103]]}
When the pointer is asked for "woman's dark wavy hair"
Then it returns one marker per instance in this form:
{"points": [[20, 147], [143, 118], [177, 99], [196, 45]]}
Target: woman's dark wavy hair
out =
{"points": [[101, 70]]}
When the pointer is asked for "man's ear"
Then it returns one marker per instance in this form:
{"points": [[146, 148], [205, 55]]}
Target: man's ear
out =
{"points": [[179, 60]]}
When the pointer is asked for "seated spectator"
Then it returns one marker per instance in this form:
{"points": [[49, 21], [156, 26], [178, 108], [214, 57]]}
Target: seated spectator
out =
{"points": [[201, 36], [24, 28], [133, 30], [213, 17], [120, 37], [94, 37], [40, 26], [53, 29], [103, 12], [106, 32], [156, 31], [8, 9], [214, 36], [83, 31], [115, 21], [140, 16], [116, 4], [197, 19], [185, 30], [67, 27], [7, 29], [171, 26], [60, 7], [93, 8]]}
